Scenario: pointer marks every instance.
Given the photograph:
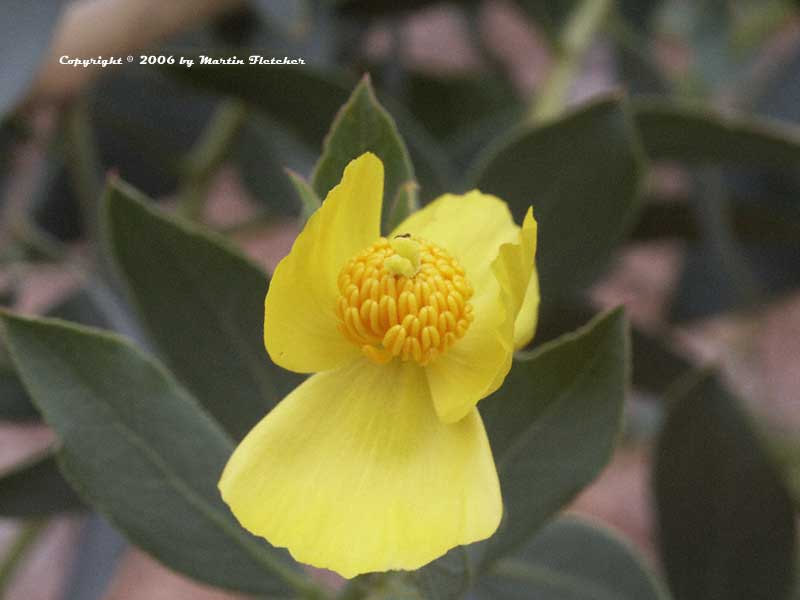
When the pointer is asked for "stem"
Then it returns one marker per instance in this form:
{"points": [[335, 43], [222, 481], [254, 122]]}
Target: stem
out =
{"points": [[82, 164], [25, 539], [207, 155], [715, 216], [575, 40]]}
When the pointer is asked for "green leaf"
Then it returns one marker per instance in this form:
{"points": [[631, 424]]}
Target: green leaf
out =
{"points": [[145, 125], [554, 423], [447, 578], [725, 519], [141, 451], [582, 174], [363, 125], [306, 101], [262, 153], [702, 135], [26, 29], [36, 488], [308, 197], [572, 560], [450, 105], [203, 303], [655, 366], [15, 405]]}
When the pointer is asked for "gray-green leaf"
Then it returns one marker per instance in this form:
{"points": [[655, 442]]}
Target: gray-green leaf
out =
{"points": [[554, 423], [363, 125], [203, 303], [582, 174], [701, 135], [142, 452], [36, 488], [726, 521], [572, 560]]}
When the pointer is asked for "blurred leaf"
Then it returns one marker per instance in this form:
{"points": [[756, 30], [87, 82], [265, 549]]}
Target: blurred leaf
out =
{"points": [[703, 135], [726, 522], [15, 405], [763, 191], [471, 142], [723, 265], [25, 32], [11, 132], [79, 308], [203, 303], [553, 424], [141, 451], [582, 173], [36, 488], [54, 204], [745, 252], [363, 125], [236, 28], [765, 228], [145, 125], [572, 560], [303, 99], [262, 153], [308, 197], [142, 124], [449, 105], [655, 364], [446, 578], [306, 101]]}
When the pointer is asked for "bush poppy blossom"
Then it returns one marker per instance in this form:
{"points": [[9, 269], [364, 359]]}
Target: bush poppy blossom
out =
{"points": [[380, 459]]}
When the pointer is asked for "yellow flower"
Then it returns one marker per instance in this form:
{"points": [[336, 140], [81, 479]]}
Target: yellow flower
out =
{"points": [[380, 460]]}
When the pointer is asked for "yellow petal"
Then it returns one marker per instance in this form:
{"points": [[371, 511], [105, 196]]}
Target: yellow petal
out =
{"points": [[528, 316], [300, 325], [514, 268], [471, 228], [353, 472], [465, 374], [498, 257]]}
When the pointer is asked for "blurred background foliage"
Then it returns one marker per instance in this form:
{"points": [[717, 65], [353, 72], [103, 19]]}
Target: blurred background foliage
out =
{"points": [[657, 140]]}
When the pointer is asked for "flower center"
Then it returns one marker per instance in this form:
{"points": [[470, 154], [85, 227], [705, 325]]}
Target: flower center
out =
{"points": [[404, 297]]}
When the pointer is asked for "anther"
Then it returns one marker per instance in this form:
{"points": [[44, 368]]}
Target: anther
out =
{"points": [[404, 298]]}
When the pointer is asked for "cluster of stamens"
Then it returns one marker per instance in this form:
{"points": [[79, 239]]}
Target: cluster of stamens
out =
{"points": [[405, 298]]}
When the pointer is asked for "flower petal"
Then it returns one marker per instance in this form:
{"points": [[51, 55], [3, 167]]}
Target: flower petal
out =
{"points": [[353, 472], [467, 372], [477, 364], [300, 325], [528, 316], [471, 227], [514, 269]]}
